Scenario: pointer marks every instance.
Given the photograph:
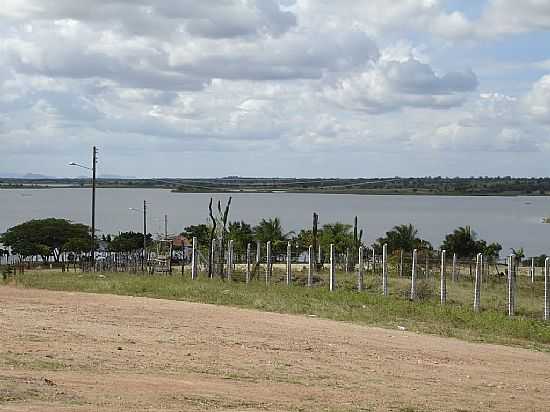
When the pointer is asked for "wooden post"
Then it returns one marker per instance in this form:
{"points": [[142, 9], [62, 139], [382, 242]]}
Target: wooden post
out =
{"points": [[454, 268], [443, 275], [311, 264], [401, 263], [268, 270], [230, 260], [194, 257], [360, 273], [248, 257], [511, 287], [532, 270], [288, 263], [477, 286], [385, 270], [547, 289], [332, 269], [413, 274]]}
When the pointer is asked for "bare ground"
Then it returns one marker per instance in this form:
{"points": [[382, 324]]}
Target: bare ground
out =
{"points": [[80, 352]]}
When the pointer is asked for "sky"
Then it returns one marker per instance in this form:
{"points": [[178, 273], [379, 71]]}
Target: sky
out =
{"points": [[306, 88]]}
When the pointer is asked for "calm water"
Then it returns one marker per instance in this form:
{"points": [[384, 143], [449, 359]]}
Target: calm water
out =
{"points": [[514, 222]]}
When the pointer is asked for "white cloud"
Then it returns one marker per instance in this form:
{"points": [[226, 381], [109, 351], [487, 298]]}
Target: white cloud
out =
{"points": [[537, 101]]}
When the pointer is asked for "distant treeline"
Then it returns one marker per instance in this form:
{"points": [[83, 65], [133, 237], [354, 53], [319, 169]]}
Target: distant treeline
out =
{"points": [[503, 186]]}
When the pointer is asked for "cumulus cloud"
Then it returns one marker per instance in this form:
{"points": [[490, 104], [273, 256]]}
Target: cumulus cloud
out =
{"points": [[391, 85], [274, 76], [537, 101]]}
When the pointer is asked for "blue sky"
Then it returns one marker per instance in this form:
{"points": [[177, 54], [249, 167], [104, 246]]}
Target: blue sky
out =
{"points": [[276, 88]]}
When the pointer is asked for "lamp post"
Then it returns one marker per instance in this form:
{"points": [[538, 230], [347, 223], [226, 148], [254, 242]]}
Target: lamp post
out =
{"points": [[93, 169], [144, 210]]}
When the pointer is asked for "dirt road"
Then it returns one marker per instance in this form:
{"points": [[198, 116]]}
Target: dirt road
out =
{"points": [[79, 352]]}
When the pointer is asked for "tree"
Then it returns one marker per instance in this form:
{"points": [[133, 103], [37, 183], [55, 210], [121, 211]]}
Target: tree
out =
{"points": [[129, 242], [241, 234], [464, 242], [45, 237], [271, 230], [338, 234], [201, 232], [304, 240], [403, 237]]}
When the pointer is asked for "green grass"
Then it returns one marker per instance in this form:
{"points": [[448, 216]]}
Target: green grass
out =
{"points": [[456, 319]]}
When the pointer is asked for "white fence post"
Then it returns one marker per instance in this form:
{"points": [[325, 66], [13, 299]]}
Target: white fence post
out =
{"points": [[194, 259], [547, 289], [454, 277], [248, 258], [443, 278], [385, 270], [532, 270], [310, 266], [288, 263], [332, 269], [268, 269], [401, 264], [477, 286], [413, 274], [511, 287], [360, 270], [230, 260]]}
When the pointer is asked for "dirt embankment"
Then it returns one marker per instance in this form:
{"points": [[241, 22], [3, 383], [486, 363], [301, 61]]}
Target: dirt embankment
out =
{"points": [[79, 352]]}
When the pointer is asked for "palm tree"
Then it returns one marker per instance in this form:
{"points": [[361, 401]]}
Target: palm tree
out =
{"points": [[403, 237], [271, 230]]}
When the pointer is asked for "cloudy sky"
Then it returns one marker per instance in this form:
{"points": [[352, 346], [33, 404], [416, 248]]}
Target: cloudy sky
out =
{"points": [[276, 87]]}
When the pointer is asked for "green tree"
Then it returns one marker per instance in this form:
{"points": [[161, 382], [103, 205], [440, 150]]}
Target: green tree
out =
{"points": [[201, 232], [403, 237], [271, 230], [338, 234], [129, 242], [304, 240], [465, 243], [241, 234], [44, 237]]}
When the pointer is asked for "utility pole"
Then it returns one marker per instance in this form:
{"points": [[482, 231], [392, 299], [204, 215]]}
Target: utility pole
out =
{"points": [[94, 168]]}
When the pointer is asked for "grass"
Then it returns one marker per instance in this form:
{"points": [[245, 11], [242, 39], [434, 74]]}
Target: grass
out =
{"points": [[456, 319]]}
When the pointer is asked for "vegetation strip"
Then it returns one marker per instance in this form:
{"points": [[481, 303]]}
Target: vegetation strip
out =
{"points": [[425, 316]]}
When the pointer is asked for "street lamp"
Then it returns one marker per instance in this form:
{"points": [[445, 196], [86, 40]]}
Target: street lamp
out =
{"points": [[93, 169], [144, 210]]}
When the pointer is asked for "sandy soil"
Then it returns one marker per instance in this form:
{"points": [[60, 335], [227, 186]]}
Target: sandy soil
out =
{"points": [[80, 352]]}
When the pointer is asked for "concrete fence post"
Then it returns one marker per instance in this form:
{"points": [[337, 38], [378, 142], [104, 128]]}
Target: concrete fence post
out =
{"points": [[360, 270], [401, 263], [477, 286], [413, 274], [547, 289], [373, 261], [288, 263], [268, 269], [443, 278], [311, 264], [230, 260], [258, 252], [453, 275], [511, 287], [194, 257], [532, 270], [385, 270], [332, 269], [248, 262]]}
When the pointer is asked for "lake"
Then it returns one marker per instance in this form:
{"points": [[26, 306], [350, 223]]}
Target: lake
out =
{"points": [[512, 221]]}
